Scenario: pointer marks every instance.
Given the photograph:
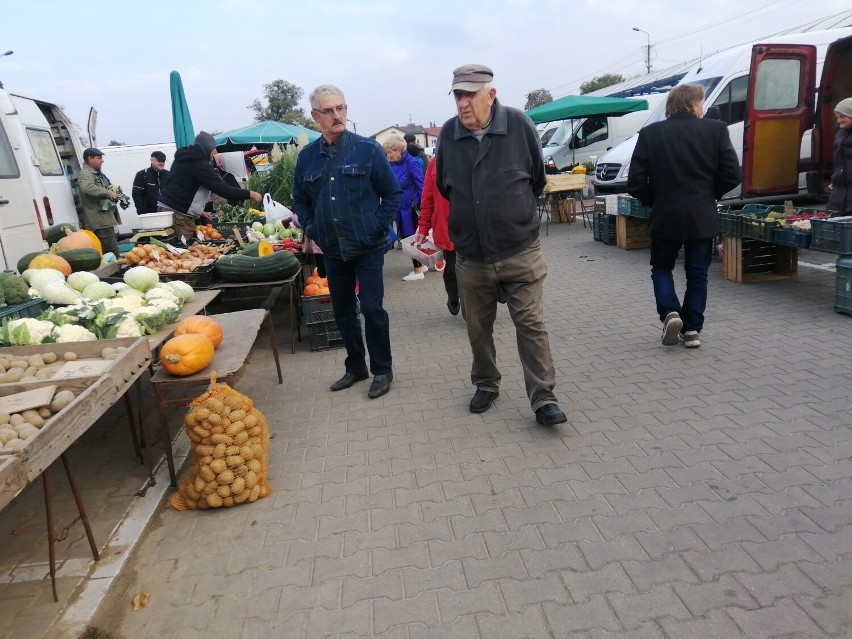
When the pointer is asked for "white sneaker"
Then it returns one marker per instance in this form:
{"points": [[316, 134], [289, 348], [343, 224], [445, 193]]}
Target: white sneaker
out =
{"points": [[413, 276], [690, 339], [671, 329]]}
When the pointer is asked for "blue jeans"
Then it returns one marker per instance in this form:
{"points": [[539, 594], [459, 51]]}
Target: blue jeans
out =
{"points": [[697, 257], [367, 271]]}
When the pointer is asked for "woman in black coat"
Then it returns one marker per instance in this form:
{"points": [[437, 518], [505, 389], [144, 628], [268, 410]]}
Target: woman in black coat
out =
{"points": [[680, 167], [840, 197]]}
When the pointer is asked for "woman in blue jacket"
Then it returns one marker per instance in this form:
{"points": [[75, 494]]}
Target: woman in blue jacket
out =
{"points": [[409, 173]]}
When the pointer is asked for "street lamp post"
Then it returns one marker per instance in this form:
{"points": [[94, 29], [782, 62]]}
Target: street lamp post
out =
{"points": [[647, 49]]}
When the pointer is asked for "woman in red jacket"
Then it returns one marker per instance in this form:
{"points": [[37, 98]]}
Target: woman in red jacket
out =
{"points": [[434, 211]]}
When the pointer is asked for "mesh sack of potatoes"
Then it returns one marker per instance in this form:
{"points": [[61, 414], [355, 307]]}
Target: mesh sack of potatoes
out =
{"points": [[231, 442]]}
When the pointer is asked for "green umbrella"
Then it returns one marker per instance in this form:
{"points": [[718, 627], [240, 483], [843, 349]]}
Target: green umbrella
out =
{"points": [[584, 106], [181, 120], [267, 132]]}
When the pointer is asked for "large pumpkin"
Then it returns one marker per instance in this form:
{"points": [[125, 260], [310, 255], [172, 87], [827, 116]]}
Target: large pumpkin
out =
{"points": [[201, 325], [76, 240], [96, 241], [186, 354], [51, 261]]}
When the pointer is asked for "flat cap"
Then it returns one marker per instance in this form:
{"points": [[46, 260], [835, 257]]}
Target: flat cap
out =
{"points": [[159, 155], [92, 152], [471, 77]]}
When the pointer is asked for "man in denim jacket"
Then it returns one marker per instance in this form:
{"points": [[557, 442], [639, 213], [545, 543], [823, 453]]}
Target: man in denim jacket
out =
{"points": [[345, 195]]}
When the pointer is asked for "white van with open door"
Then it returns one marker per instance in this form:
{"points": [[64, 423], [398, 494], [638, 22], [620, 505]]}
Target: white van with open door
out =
{"points": [[39, 164], [783, 108]]}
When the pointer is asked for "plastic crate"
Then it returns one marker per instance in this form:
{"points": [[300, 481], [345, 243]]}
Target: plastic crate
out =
{"points": [[759, 228], [31, 308], [414, 252], [731, 222], [834, 235], [843, 295], [325, 336], [604, 228], [791, 237], [631, 207], [317, 309], [201, 278]]}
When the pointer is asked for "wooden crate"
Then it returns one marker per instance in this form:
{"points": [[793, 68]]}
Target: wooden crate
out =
{"points": [[745, 260], [563, 210], [94, 395], [632, 233], [12, 479], [122, 371]]}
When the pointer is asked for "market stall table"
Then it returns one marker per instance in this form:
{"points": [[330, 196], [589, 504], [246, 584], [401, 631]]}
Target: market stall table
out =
{"points": [[239, 331], [245, 290], [559, 188]]}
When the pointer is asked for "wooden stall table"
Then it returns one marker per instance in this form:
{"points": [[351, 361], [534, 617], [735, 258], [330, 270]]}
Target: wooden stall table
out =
{"points": [[199, 302], [95, 392], [561, 188], [253, 290], [239, 331]]}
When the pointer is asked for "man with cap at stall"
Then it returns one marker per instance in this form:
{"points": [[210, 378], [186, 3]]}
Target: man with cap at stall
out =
{"points": [[489, 167], [100, 214], [193, 177], [146, 185]]}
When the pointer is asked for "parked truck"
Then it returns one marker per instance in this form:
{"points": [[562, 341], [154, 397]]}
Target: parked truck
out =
{"points": [[40, 160]]}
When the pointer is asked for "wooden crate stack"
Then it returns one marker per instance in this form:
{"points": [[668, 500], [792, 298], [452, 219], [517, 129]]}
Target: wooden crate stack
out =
{"points": [[747, 260], [632, 233]]}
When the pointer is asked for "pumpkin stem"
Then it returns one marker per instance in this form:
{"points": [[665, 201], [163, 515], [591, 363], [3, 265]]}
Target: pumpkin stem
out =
{"points": [[172, 358]]}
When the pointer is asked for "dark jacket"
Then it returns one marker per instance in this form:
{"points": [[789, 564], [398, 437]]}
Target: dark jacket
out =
{"points": [[191, 181], [491, 185], [146, 189], [346, 211], [416, 151], [840, 196], [680, 168]]}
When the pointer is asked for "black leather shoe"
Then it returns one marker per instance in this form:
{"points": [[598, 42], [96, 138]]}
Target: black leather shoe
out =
{"points": [[550, 415], [454, 306], [347, 380], [381, 385], [482, 400]]}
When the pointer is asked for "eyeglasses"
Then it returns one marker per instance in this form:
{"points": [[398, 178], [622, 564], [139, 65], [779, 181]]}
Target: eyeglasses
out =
{"points": [[340, 109]]}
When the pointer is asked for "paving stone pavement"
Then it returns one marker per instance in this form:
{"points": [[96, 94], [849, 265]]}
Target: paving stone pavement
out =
{"points": [[693, 493]]}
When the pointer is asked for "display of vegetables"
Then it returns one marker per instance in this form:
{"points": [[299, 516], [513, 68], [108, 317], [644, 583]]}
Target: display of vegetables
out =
{"points": [[229, 214], [186, 354], [158, 257], [13, 289]]}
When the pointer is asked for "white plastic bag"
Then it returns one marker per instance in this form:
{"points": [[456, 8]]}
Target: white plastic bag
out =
{"points": [[275, 210]]}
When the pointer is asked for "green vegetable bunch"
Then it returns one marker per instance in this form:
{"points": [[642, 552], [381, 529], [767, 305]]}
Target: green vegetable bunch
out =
{"points": [[13, 289]]}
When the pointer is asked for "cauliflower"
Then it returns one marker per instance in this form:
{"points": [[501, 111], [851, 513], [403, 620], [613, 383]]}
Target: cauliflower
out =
{"points": [[128, 303], [164, 304], [158, 293], [74, 333], [128, 327], [26, 331]]}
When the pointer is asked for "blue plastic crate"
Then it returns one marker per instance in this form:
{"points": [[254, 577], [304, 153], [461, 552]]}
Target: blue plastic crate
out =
{"points": [[843, 296], [792, 237], [325, 336], [833, 235], [31, 308]]}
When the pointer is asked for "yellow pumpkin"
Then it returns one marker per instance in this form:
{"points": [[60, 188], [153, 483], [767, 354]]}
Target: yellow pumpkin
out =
{"points": [[96, 241], [264, 248], [186, 354], [201, 325], [51, 261]]}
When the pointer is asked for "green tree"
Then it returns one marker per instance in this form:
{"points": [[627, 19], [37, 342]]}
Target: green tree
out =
{"points": [[116, 143], [281, 105], [601, 81], [537, 98]]}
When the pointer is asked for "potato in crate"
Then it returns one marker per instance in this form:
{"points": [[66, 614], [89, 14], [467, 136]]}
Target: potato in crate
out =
{"points": [[425, 252]]}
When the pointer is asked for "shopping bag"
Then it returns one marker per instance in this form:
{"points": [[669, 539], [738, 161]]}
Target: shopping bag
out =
{"points": [[275, 210], [391, 238]]}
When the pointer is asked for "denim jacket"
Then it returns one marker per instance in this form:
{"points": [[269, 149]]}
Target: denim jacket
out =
{"points": [[347, 211]]}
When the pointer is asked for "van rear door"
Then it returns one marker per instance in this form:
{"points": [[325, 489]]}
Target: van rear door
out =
{"points": [[835, 85], [779, 111]]}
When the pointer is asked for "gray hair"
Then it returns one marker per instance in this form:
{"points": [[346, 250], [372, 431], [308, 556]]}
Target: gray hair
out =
{"points": [[394, 143], [324, 89]]}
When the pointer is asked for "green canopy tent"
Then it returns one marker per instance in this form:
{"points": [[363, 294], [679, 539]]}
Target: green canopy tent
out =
{"points": [[263, 133], [181, 120], [584, 106]]}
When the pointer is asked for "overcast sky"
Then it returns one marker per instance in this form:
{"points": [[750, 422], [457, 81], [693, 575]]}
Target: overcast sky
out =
{"points": [[393, 59]]}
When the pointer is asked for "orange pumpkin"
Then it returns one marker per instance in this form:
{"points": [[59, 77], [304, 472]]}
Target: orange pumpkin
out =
{"points": [[201, 325], [75, 240], [51, 261], [265, 248], [186, 354], [313, 278]]}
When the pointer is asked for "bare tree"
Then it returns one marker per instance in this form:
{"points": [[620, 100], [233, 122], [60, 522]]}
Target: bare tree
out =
{"points": [[537, 98]]}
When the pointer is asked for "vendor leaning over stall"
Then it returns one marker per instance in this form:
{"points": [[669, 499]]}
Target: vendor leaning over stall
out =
{"points": [[100, 214], [192, 179]]}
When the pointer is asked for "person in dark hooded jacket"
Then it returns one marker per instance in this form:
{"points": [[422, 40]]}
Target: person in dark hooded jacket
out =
{"points": [[193, 177], [840, 197]]}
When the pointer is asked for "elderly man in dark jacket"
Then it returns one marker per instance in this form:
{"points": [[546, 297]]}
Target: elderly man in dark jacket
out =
{"points": [[489, 167], [680, 167], [146, 184]]}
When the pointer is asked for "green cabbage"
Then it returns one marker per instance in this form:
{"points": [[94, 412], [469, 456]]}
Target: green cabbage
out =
{"points": [[141, 278], [81, 279]]}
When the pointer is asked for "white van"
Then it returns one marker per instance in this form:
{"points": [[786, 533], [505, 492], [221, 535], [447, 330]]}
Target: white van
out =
{"points": [[40, 155], [725, 78], [585, 139]]}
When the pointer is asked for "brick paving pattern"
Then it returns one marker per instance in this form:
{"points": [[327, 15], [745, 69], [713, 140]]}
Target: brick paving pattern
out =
{"points": [[693, 493]]}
